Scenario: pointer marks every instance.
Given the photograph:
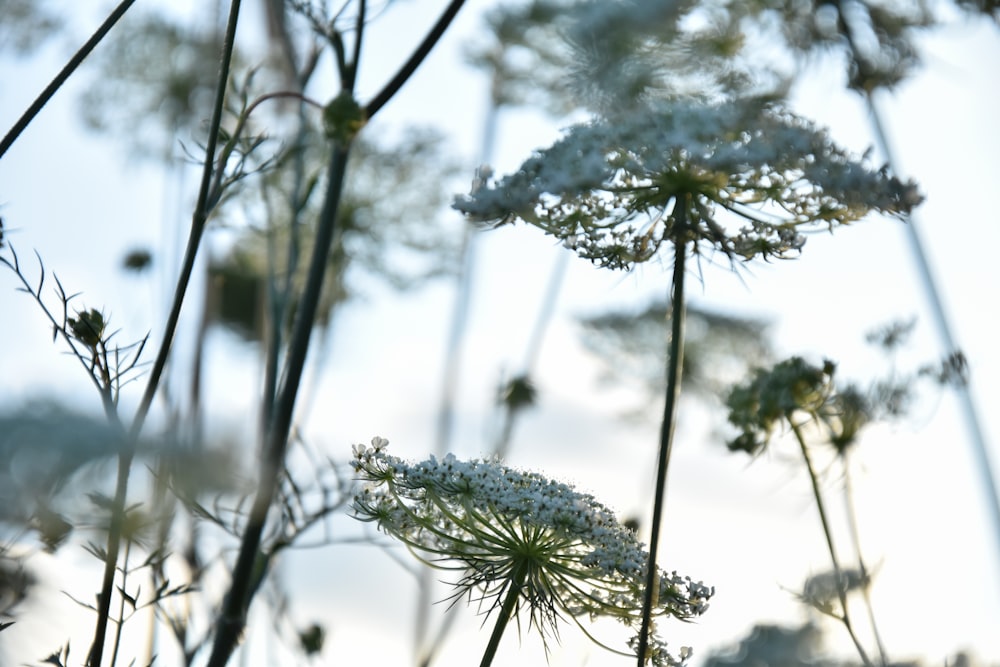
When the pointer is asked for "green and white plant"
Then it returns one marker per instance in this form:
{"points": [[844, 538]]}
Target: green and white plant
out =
{"points": [[522, 543]]}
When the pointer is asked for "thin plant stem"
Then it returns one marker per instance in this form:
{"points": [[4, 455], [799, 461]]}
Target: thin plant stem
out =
{"points": [[533, 349], [63, 76], [984, 463], [675, 356], [845, 616], [115, 529], [544, 318], [359, 32], [206, 198], [457, 333], [121, 605], [246, 573], [59, 326], [199, 218], [852, 521], [279, 297], [411, 65], [973, 423], [506, 613]]}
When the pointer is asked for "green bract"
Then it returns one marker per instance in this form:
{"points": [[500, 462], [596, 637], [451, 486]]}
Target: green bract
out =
{"points": [[517, 534], [615, 189]]}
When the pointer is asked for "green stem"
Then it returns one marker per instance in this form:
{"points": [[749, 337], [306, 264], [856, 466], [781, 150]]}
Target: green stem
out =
{"points": [[245, 578], [115, 530], [675, 356], [845, 617], [852, 521], [506, 612], [984, 462], [125, 458], [232, 619], [63, 76], [121, 606], [411, 65], [206, 198]]}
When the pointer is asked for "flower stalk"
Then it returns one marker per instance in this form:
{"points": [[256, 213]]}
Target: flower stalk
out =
{"points": [[678, 174], [783, 395], [127, 455], [343, 119], [838, 572], [675, 363], [865, 576], [507, 612]]}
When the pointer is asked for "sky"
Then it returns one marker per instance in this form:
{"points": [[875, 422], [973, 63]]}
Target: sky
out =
{"points": [[747, 528]]}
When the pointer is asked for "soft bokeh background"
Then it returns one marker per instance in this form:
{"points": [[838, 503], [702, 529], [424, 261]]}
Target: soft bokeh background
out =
{"points": [[747, 528]]}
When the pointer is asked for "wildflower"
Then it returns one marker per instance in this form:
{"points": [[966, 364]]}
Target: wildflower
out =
{"points": [[773, 396], [758, 407], [520, 540], [617, 188]]}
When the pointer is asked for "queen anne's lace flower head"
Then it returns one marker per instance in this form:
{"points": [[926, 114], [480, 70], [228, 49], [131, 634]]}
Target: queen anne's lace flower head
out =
{"points": [[506, 529], [615, 189]]}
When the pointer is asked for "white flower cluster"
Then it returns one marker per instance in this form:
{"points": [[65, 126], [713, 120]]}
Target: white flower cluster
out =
{"points": [[617, 188], [489, 520], [605, 54]]}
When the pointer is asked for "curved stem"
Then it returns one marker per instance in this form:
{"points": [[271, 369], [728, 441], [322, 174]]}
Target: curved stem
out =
{"points": [[852, 520], [845, 617], [506, 612], [63, 76], [675, 355]]}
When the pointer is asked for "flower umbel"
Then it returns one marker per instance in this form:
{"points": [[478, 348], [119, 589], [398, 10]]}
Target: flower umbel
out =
{"points": [[615, 189], [774, 396], [521, 541]]}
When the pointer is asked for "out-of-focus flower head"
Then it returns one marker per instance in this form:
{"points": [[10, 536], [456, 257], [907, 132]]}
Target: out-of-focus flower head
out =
{"points": [[601, 54]]}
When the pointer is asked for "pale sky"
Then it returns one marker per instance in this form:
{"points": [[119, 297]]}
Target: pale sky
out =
{"points": [[748, 529]]}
